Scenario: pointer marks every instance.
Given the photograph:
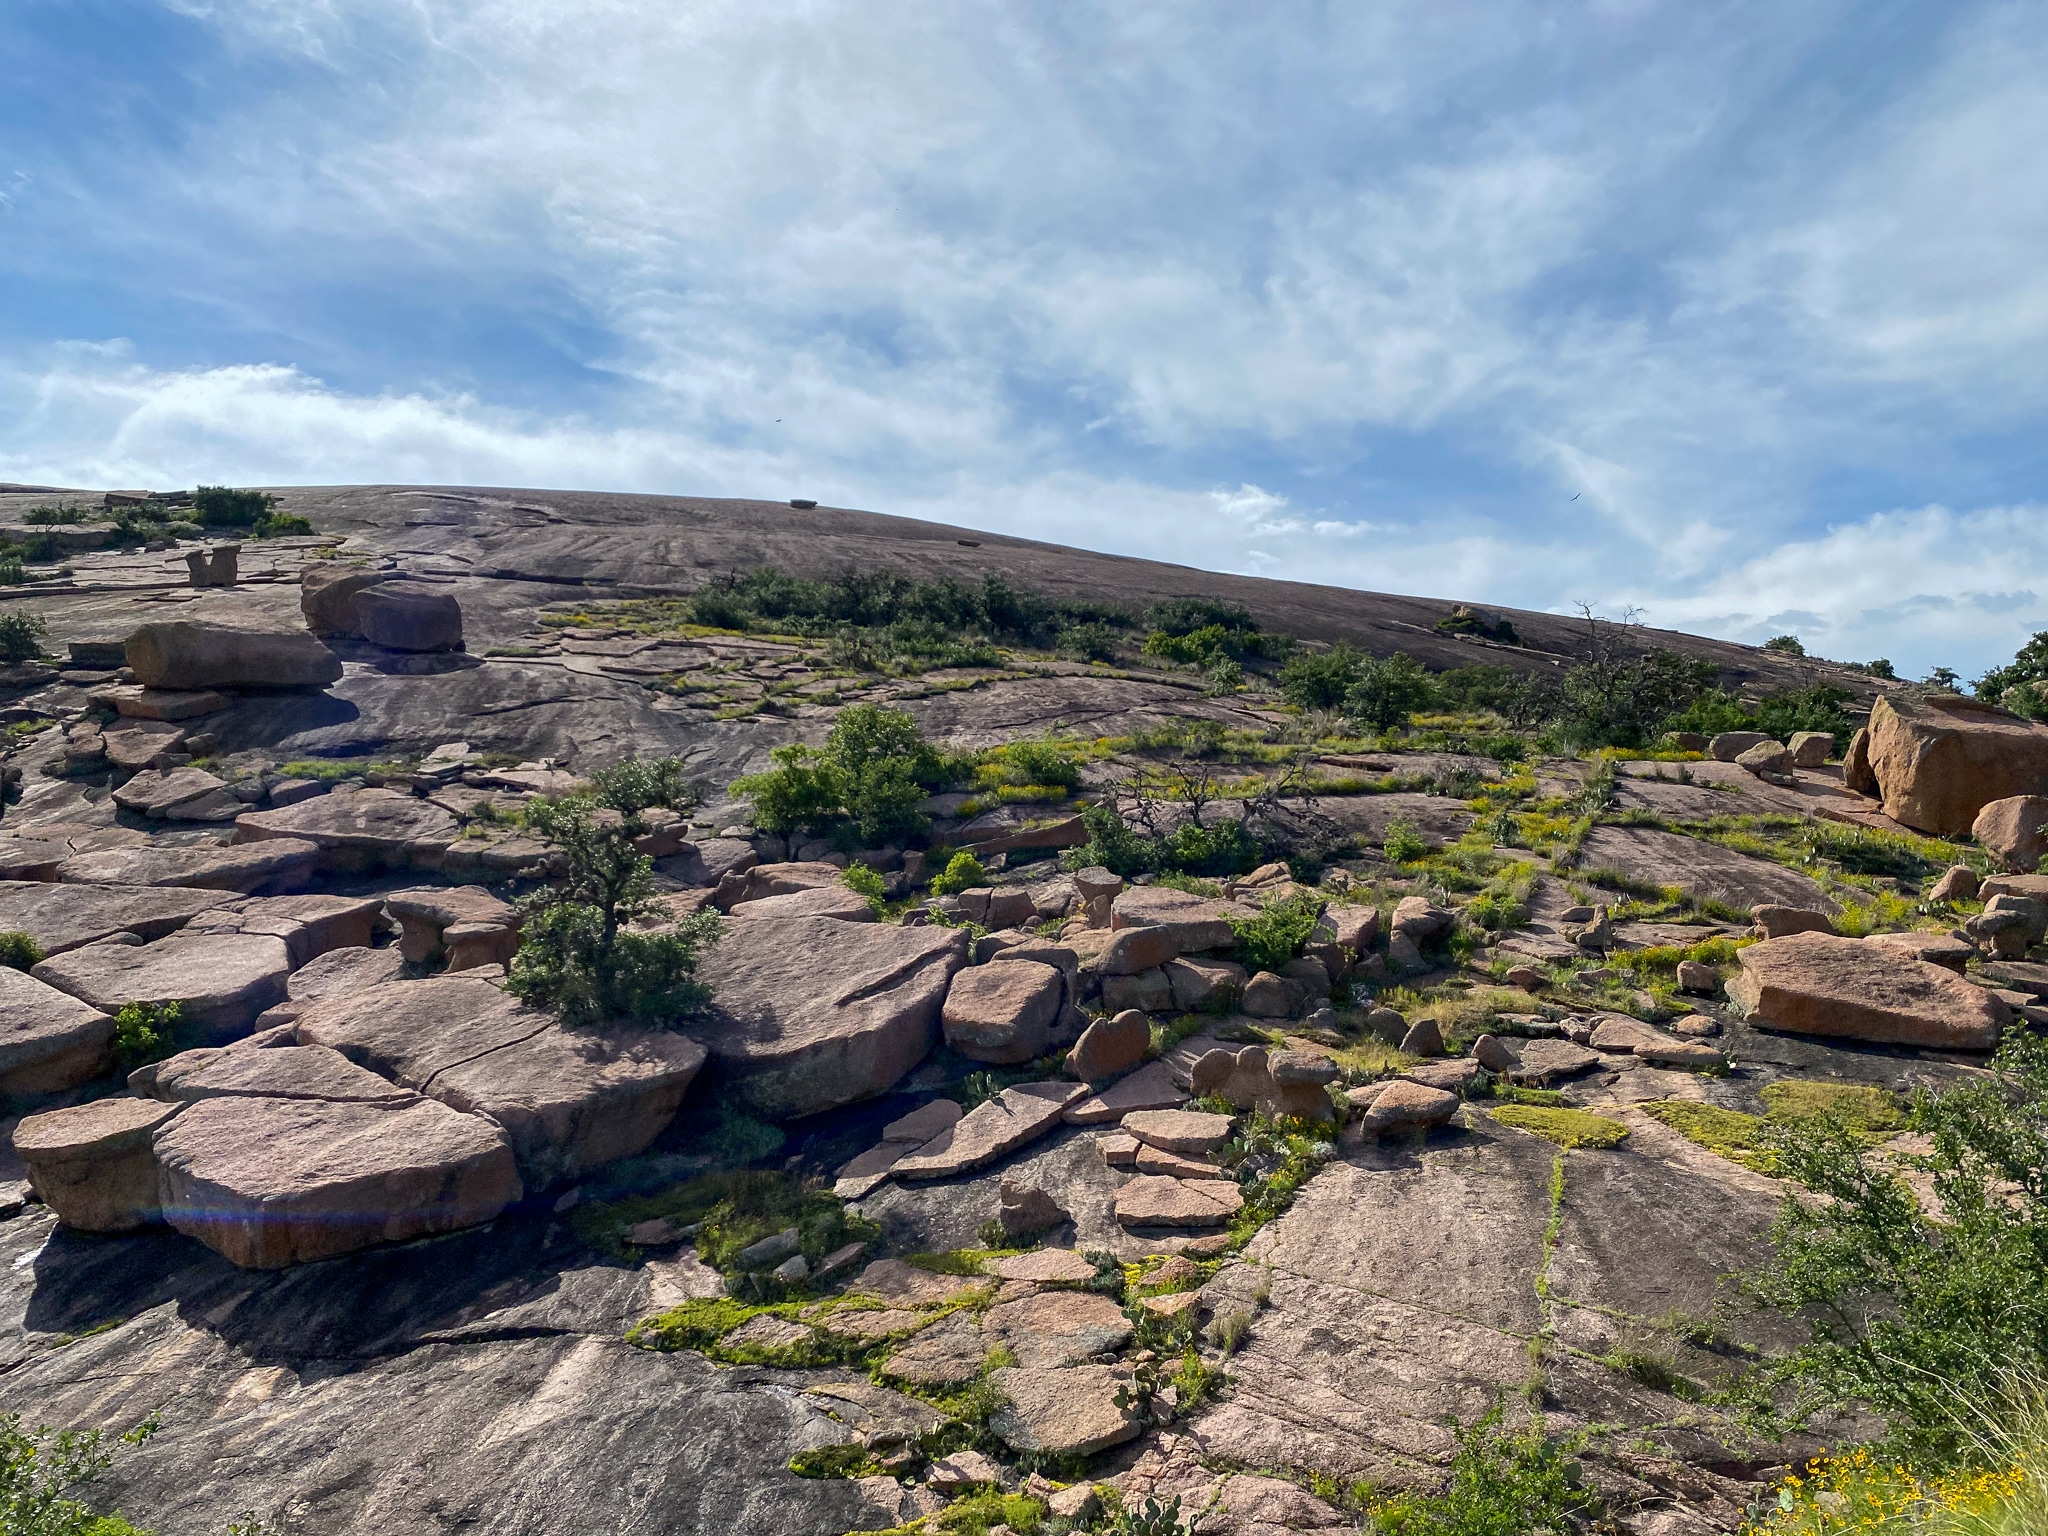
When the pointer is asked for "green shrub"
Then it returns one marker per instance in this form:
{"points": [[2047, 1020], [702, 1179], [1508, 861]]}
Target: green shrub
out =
{"points": [[40, 1468], [872, 772], [578, 955], [280, 525], [18, 951], [1040, 762], [1913, 1311], [867, 884], [1501, 1484], [1403, 841], [1319, 679], [642, 783], [1387, 693], [850, 1460], [218, 506], [1785, 644], [145, 1032], [1093, 641], [1269, 939], [51, 517], [12, 572], [21, 636], [963, 872]]}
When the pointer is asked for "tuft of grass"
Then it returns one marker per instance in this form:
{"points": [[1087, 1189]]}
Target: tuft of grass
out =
{"points": [[1568, 1128]]}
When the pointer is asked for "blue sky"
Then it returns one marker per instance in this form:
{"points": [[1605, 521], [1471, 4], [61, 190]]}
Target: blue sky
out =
{"points": [[1736, 313]]}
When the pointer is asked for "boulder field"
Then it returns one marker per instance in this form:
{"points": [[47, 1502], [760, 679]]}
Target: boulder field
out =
{"points": [[386, 1249]]}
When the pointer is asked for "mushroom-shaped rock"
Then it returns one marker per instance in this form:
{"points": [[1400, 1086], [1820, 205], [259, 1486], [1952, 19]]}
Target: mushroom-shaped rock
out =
{"points": [[93, 1164], [1818, 984], [809, 1013], [268, 1182], [194, 654], [485, 930]]}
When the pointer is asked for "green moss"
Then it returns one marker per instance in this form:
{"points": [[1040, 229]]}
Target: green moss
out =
{"points": [[1861, 1107], [1545, 1098], [1569, 1128], [960, 1261], [980, 1513], [835, 1461], [1728, 1132]]}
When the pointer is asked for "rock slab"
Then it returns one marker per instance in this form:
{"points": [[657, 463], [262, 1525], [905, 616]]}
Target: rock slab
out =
{"points": [[1815, 983]]}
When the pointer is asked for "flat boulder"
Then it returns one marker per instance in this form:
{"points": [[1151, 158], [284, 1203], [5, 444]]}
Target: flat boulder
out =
{"points": [[61, 917], [464, 923], [94, 1164], [810, 1013], [268, 1182], [1547, 1061], [1075, 1411], [195, 654], [1158, 1200], [309, 925], [220, 982], [1055, 1328], [279, 1072], [178, 794], [1939, 759], [283, 864], [1404, 1108], [1818, 984], [1700, 869], [834, 901], [992, 1129], [1152, 1086], [1004, 1011], [1195, 923], [1187, 1131], [49, 1040], [573, 1100], [410, 1031], [346, 969], [359, 829]]}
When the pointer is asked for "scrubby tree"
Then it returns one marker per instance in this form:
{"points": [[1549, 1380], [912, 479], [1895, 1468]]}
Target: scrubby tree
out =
{"points": [[1319, 679], [870, 775], [1386, 694]]}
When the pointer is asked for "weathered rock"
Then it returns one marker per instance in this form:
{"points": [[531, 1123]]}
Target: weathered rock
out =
{"points": [[770, 1250], [1299, 1080], [409, 1031], [158, 707], [1055, 1328], [1492, 1053], [193, 654], [1856, 770], [49, 1040], [1422, 922], [1957, 883], [1194, 923], [283, 864], [1937, 948], [923, 1123], [809, 1013], [2034, 886], [1153, 1200], [1150, 1087], [328, 590], [359, 829], [1149, 1159], [759, 881], [1696, 1026], [268, 1182], [343, 969], [1810, 748], [1730, 745], [309, 925], [1118, 1150], [1044, 1266], [1200, 984], [1025, 1210], [278, 1072], [1003, 1012], [1062, 1412], [61, 917], [1267, 996], [1939, 759], [1618, 1035], [948, 1354], [964, 1470], [485, 930], [1527, 977], [990, 1130], [219, 982], [1424, 1038], [1131, 950], [2014, 831], [834, 901], [1404, 955], [1146, 992], [1818, 984], [93, 1164], [894, 1281], [1699, 978], [182, 794], [136, 744], [1458, 1075], [1179, 1130], [1681, 1055], [1766, 757], [1110, 1046], [1403, 1108], [708, 862], [861, 1176], [1546, 1061], [409, 616], [1775, 922]]}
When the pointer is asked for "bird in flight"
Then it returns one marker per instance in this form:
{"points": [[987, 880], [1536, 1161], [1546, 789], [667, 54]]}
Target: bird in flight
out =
{"points": [[1575, 498]]}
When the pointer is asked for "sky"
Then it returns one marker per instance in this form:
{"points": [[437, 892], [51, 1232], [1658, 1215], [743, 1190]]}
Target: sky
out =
{"points": [[1734, 313]]}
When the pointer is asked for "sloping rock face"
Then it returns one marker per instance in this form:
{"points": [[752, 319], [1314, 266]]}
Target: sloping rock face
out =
{"points": [[220, 982], [49, 1040], [810, 1013], [1818, 984], [1939, 759], [268, 1182], [359, 829], [61, 917], [1700, 869], [189, 653]]}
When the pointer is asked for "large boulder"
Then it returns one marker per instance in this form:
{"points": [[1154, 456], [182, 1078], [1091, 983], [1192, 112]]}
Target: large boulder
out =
{"points": [[61, 917], [281, 864], [178, 794], [271, 1072], [1939, 759], [193, 654], [408, 1031], [328, 592], [1003, 1012], [990, 1130], [409, 616], [268, 1182], [1856, 772], [1818, 984], [49, 1040], [1110, 1046], [837, 901], [360, 829], [2014, 831], [220, 982], [93, 1164], [1195, 922], [808, 1013]]}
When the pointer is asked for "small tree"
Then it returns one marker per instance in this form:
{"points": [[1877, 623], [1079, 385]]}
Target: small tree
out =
{"points": [[21, 636], [1788, 645], [1319, 679], [579, 954], [1388, 693]]}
